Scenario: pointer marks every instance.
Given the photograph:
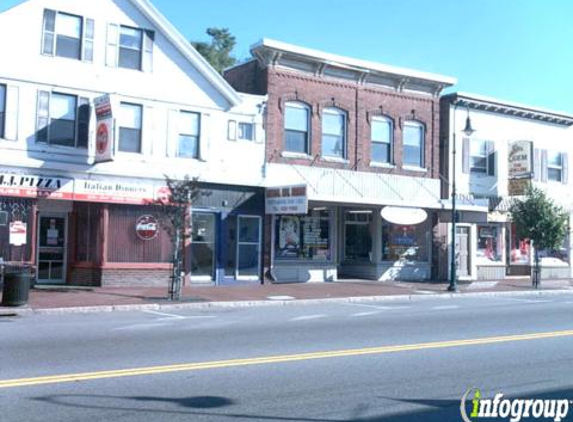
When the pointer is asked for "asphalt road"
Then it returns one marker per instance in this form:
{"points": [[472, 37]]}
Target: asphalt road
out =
{"points": [[387, 361]]}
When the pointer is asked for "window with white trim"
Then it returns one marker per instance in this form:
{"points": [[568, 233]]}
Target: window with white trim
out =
{"points": [[555, 166], [382, 139], [413, 144], [189, 126], [2, 109], [62, 119], [130, 47], [333, 133], [478, 156], [246, 131], [130, 126], [297, 127], [67, 35]]}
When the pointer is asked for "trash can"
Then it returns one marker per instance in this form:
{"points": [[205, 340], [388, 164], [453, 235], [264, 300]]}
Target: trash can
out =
{"points": [[16, 289]]}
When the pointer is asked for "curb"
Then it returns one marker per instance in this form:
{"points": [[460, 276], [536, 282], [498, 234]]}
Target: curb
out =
{"points": [[273, 303]]}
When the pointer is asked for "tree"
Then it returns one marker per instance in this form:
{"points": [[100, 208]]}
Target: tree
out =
{"points": [[176, 221], [537, 218], [218, 51]]}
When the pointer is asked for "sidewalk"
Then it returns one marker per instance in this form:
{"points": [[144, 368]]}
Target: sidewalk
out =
{"points": [[84, 299]]}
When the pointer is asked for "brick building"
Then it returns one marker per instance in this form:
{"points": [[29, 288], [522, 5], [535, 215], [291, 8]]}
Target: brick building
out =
{"points": [[360, 141]]}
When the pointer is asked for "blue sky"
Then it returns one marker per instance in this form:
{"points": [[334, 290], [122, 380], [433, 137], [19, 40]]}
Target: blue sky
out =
{"points": [[516, 50]]}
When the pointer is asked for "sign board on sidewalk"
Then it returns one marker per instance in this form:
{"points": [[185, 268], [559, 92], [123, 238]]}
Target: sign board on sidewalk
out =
{"points": [[18, 233], [104, 142]]}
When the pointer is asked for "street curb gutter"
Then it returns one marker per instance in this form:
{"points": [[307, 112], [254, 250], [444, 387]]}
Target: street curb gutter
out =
{"points": [[274, 303]]}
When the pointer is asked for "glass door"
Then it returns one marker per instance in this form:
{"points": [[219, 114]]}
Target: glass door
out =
{"points": [[203, 245], [248, 247], [52, 249]]}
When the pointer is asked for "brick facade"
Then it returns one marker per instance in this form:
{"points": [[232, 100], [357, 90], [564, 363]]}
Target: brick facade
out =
{"points": [[359, 101]]}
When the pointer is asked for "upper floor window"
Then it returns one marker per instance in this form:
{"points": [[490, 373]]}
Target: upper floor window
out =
{"points": [[188, 135], [478, 156], [555, 166], [333, 133], [297, 128], [66, 35], [413, 146], [62, 119], [130, 125], [246, 131], [382, 140], [2, 109], [129, 48]]}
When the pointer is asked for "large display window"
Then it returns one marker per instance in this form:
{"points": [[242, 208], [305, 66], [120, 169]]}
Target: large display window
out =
{"points": [[406, 242], [489, 245], [520, 251], [555, 257], [303, 237]]}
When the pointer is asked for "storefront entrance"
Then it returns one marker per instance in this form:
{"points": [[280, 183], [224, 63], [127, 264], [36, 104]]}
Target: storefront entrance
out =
{"points": [[52, 235], [242, 254], [462, 251]]}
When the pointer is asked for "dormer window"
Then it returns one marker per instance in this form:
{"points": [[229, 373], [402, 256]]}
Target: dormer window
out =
{"points": [[67, 35]]}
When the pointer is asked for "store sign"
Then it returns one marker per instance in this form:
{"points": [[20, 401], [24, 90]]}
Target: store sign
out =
{"points": [[404, 215], [117, 192], [520, 160], [18, 233], [146, 227], [26, 185], [104, 129], [518, 187], [286, 200]]}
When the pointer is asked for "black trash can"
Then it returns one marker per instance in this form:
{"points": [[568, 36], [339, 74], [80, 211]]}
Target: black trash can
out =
{"points": [[16, 289]]}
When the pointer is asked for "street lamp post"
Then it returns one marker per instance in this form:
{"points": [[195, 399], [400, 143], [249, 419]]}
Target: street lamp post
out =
{"points": [[468, 130]]}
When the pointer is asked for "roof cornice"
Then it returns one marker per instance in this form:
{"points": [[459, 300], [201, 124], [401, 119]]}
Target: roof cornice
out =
{"points": [[508, 108], [276, 53]]}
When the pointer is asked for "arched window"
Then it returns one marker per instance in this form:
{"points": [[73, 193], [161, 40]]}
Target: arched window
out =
{"points": [[333, 133], [413, 144], [297, 127], [382, 137]]}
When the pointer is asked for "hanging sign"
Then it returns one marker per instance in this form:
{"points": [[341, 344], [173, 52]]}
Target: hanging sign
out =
{"points": [[520, 159], [18, 233], [146, 227], [104, 129], [404, 215]]}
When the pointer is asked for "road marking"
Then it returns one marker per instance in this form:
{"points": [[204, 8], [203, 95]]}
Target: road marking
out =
{"points": [[445, 307], [379, 307], [360, 314], [173, 316], [307, 317], [186, 367]]}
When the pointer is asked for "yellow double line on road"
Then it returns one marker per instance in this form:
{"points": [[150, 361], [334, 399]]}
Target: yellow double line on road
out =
{"points": [[152, 370]]}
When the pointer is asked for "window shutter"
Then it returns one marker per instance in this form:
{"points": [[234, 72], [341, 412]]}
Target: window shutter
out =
{"points": [[172, 133], [537, 165], [204, 137], [490, 158], [83, 122], [147, 60], [49, 32], [43, 116], [147, 130], [465, 156], [112, 43], [565, 174], [12, 107], [544, 165], [88, 41]]}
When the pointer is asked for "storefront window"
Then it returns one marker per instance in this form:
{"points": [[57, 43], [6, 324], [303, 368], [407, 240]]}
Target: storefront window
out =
{"points": [[489, 247], [406, 242], [303, 236], [358, 239], [520, 249], [203, 244], [555, 257]]}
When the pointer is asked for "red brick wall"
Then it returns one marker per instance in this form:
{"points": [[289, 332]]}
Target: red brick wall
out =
{"points": [[359, 101]]}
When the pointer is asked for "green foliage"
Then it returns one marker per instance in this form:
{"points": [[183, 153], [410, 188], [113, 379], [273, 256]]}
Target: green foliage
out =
{"points": [[218, 51], [538, 218]]}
